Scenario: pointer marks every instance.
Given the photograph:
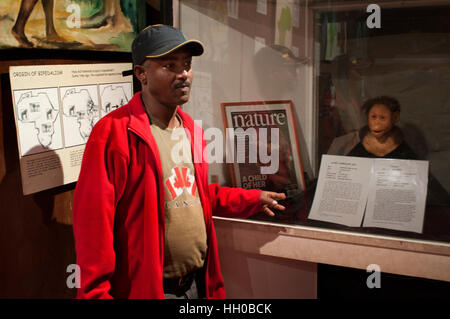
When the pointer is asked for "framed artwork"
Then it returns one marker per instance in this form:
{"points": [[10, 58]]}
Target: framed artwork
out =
{"points": [[76, 24], [261, 138]]}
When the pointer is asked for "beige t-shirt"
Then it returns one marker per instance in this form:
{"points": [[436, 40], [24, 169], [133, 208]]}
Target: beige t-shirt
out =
{"points": [[186, 245]]}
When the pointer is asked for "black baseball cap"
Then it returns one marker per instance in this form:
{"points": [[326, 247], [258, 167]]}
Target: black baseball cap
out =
{"points": [[158, 40]]}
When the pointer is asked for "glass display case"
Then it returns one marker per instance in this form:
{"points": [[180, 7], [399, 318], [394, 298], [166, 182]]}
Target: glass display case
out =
{"points": [[328, 58]]}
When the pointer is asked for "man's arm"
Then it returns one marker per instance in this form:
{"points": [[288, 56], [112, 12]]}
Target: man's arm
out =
{"points": [[99, 187], [242, 203]]}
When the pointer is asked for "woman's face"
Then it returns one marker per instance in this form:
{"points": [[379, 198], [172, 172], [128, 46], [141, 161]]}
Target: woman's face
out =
{"points": [[381, 120]]}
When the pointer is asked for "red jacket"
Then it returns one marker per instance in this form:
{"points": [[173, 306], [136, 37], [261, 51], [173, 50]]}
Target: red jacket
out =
{"points": [[118, 209]]}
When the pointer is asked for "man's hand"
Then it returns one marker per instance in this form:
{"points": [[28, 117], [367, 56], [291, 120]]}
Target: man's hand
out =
{"points": [[269, 201]]}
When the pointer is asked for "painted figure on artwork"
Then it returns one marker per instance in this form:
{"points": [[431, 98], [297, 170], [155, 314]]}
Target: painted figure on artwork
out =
{"points": [[26, 7], [77, 24]]}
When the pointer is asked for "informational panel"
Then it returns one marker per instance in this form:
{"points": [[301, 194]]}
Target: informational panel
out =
{"points": [[55, 109], [385, 193]]}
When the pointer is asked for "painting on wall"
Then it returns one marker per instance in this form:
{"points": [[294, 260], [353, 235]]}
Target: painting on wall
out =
{"points": [[109, 25]]}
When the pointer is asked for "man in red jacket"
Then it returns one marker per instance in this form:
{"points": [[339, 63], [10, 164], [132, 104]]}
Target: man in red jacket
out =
{"points": [[142, 217]]}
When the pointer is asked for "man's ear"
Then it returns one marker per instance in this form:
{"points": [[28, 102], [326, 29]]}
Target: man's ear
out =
{"points": [[396, 117], [141, 75]]}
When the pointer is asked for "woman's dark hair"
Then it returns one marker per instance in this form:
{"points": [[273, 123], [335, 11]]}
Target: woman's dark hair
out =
{"points": [[391, 103]]}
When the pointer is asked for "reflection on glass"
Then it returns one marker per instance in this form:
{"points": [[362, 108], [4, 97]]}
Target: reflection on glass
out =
{"points": [[407, 60], [328, 59]]}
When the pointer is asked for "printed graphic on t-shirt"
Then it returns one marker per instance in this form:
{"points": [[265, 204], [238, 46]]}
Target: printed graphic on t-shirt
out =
{"points": [[181, 180]]}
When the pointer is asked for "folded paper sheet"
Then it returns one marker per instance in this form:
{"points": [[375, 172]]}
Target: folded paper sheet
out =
{"points": [[386, 193]]}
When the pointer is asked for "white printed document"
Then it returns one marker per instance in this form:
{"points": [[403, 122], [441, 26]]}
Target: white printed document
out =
{"points": [[386, 193], [342, 189], [397, 195]]}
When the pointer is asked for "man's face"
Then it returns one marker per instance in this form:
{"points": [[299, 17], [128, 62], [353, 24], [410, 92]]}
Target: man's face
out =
{"points": [[381, 120], [169, 78]]}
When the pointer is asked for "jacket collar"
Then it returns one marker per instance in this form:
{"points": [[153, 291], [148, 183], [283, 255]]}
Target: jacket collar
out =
{"points": [[140, 124]]}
